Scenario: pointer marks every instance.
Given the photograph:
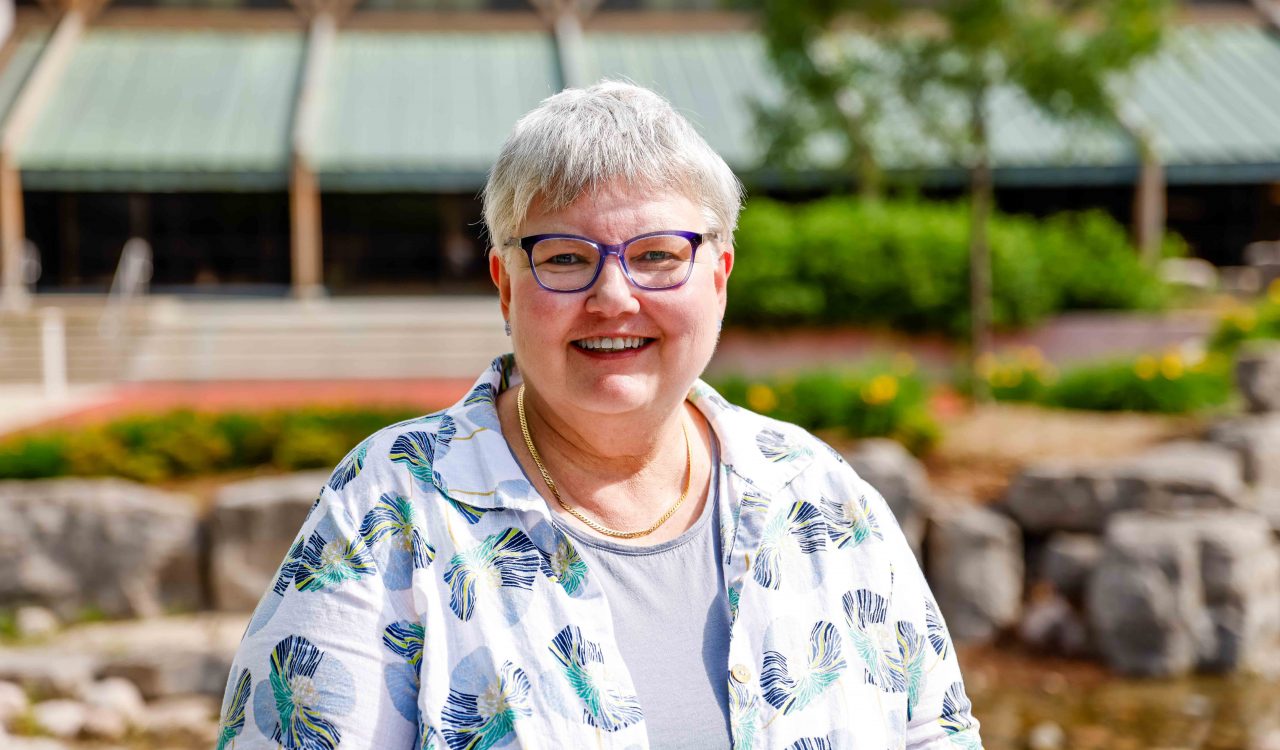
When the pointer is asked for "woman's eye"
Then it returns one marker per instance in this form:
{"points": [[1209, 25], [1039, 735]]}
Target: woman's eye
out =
{"points": [[564, 259], [650, 256]]}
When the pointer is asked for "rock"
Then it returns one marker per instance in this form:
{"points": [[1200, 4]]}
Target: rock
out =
{"points": [[1068, 561], [1256, 438], [170, 672], [1046, 736], [1194, 273], [1190, 589], [1052, 625], [1145, 600], [118, 696], [251, 529], [13, 703], [60, 717], [1258, 376], [976, 570], [1181, 476], [104, 724], [189, 717], [47, 671], [1240, 572], [1060, 495], [104, 544], [36, 622], [900, 478]]}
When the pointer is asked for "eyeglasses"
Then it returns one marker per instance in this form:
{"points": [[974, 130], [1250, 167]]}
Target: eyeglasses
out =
{"points": [[651, 261]]}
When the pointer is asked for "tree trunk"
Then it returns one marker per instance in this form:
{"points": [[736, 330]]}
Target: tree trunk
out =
{"points": [[981, 196], [870, 178]]}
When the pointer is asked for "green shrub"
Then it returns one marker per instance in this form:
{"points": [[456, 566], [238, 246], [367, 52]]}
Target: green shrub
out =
{"points": [[878, 401], [1167, 383], [1248, 323], [156, 448], [906, 265]]}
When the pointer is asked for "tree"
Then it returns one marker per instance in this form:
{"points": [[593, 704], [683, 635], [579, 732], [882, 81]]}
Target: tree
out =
{"points": [[1062, 55]]}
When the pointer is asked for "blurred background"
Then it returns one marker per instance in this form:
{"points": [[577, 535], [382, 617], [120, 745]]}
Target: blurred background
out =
{"points": [[1018, 262]]}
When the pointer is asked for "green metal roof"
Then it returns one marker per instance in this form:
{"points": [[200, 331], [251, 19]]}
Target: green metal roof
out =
{"points": [[710, 78], [164, 110], [404, 111], [169, 110], [1212, 99]]}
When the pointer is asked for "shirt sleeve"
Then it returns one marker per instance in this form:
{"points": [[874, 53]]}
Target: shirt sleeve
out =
{"points": [[331, 655], [939, 713]]}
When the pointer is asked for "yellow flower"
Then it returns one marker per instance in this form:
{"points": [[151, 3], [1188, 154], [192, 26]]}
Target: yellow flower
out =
{"points": [[1171, 366], [1146, 367], [1273, 291], [881, 389], [904, 364], [761, 398], [1245, 319]]}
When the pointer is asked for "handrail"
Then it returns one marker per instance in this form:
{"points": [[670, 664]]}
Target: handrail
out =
{"points": [[133, 275]]}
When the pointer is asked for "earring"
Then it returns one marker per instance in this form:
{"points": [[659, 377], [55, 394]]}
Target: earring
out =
{"points": [[507, 325]]}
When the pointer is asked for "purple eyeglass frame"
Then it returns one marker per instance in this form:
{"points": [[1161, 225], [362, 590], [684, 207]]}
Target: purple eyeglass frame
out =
{"points": [[695, 239]]}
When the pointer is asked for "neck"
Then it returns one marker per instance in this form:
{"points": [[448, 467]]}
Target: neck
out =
{"points": [[623, 471]]}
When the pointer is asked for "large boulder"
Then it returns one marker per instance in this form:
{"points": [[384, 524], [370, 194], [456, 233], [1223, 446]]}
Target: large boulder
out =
{"points": [[252, 526], [1240, 571], [1067, 562], [1258, 376], [1146, 600], [1062, 495], [900, 478], [1256, 439], [1182, 476], [1186, 590], [103, 545], [976, 570]]}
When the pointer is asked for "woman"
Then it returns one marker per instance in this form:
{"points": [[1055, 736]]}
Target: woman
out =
{"points": [[593, 549]]}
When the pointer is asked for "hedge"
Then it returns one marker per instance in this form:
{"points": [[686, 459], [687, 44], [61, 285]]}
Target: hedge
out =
{"points": [[905, 265], [879, 400], [154, 448]]}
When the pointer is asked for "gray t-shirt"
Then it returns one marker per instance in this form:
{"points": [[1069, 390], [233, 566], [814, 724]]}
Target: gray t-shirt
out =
{"points": [[671, 617]]}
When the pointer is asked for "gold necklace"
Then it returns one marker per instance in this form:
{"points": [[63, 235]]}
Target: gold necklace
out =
{"points": [[595, 525]]}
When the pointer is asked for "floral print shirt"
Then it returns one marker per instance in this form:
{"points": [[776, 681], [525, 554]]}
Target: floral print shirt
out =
{"points": [[430, 603]]}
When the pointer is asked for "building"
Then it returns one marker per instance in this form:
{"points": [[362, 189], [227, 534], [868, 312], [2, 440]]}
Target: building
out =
{"points": [[336, 147]]}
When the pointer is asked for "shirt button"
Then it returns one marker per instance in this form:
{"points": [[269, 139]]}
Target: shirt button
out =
{"points": [[740, 673]]}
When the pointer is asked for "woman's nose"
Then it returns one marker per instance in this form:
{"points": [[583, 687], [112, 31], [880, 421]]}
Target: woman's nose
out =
{"points": [[612, 294]]}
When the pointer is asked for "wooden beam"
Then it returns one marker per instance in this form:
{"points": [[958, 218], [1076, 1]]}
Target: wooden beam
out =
{"points": [[27, 107], [304, 187]]}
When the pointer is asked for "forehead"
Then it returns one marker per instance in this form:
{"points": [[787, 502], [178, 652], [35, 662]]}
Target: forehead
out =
{"points": [[615, 213]]}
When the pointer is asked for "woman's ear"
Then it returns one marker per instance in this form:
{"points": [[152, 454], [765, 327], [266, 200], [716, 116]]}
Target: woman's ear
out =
{"points": [[501, 279]]}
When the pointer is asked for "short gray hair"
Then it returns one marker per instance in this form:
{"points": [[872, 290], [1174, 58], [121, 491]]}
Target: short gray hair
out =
{"points": [[580, 139]]}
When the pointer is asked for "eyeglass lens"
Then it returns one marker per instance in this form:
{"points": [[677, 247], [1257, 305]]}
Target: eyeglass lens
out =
{"points": [[656, 262]]}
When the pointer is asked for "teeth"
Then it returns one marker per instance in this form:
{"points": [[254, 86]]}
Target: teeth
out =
{"points": [[615, 343]]}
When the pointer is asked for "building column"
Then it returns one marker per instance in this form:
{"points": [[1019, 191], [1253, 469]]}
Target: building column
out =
{"points": [[1149, 211], [304, 187], [27, 106]]}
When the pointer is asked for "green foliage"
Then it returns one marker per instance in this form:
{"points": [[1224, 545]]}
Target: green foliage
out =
{"points": [[1167, 383], [1258, 322], [877, 401], [155, 448], [905, 265]]}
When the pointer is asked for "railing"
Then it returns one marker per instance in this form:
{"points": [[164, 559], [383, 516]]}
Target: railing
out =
{"points": [[133, 275]]}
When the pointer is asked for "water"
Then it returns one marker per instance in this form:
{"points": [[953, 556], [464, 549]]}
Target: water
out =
{"points": [[1026, 703]]}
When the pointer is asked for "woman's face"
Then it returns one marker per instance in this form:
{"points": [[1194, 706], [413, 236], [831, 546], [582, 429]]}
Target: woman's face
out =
{"points": [[680, 325]]}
